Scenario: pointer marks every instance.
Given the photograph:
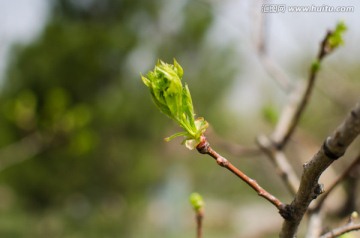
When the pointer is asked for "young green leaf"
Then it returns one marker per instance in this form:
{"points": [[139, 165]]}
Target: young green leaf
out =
{"points": [[174, 100]]}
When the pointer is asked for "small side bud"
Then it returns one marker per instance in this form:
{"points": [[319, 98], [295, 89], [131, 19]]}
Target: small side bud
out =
{"points": [[315, 66]]}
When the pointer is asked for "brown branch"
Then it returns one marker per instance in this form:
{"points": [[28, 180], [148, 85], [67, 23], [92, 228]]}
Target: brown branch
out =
{"points": [[324, 51], [316, 213], [204, 148], [281, 163], [339, 179], [333, 148]]}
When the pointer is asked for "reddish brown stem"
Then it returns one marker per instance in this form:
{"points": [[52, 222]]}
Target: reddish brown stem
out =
{"points": [[204, 148], [199, 219]]}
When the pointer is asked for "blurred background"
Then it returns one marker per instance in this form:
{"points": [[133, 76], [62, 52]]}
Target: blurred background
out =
{"points": [[81, 144]]}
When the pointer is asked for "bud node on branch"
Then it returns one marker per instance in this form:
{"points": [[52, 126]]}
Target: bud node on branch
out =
{"points": [[203, 146], [286, 212], [329, 153], [222, 161]]}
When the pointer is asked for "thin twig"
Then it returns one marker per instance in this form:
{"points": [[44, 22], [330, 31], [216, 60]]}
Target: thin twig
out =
{"points": [[341, 230], [333, 148], [324, 51], [281, 163], [199, 218], [348, 227], [204, 148]]}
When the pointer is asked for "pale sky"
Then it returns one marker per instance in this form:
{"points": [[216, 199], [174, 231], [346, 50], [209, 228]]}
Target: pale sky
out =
{"points": [[20, 22], [289, 34]]}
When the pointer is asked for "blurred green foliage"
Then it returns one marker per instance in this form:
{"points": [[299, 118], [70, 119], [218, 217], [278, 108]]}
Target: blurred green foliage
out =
{"points": [[270, 114], [101, 138]]}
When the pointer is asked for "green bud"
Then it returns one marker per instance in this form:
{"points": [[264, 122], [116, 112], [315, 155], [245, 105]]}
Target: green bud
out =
{"points": [[174, 100], [336, 37], [196, 201], [315, 66]]}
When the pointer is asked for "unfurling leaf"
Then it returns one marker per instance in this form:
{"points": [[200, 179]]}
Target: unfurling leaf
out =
{"points": [[174, 100]]}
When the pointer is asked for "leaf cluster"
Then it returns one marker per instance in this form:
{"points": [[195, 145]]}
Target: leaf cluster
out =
{"points": [[174, 100]]}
